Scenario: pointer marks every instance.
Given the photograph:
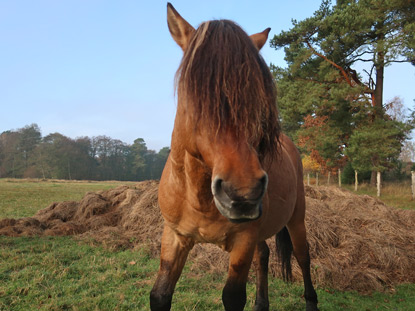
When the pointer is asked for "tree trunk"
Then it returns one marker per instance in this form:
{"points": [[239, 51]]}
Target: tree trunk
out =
{"points": [[316, 179], [328, 178], [378, 91], [308, 179], [378, 99], [373, 179]]}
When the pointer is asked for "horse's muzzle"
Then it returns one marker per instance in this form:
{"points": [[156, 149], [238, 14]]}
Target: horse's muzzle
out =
{"points": [[239, 207]]}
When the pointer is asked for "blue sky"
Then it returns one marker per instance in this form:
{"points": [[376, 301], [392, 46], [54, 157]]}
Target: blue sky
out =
{"points": [[89, 67]]}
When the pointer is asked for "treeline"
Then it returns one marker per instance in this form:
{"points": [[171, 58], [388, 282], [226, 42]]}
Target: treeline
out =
{"points": [[24, 153]]}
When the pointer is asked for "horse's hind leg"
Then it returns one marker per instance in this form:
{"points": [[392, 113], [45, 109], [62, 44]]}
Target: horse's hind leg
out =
{"points": [[300, 249], [174, 251], [261, 258]]}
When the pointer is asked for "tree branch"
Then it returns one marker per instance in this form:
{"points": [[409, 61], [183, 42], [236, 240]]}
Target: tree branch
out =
{"points": [[362, 60], [398, 61], [369, 74], [343, 72], [359, 54], [315, 81]]}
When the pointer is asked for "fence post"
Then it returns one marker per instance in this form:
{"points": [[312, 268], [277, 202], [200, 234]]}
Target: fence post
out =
{"points": [[316, 179], [356, 181], [378, 179], [413, 184], [308, 179], [340, 178]]}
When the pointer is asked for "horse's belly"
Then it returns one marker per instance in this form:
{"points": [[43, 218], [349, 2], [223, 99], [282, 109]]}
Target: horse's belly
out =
{"points": [[279, 203], [276, 217]]}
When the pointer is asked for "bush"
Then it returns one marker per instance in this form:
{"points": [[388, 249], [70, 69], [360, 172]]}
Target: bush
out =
{"points": [[348, 175], [399, 172]]}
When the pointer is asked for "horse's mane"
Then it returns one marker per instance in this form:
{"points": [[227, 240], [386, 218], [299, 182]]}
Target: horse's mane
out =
{"points": [[226, 84]]}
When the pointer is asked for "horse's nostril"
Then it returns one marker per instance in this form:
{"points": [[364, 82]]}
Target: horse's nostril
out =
{"points": [[217, 186], [224, 191], [230, 191], [264, 181], [257, 191]]}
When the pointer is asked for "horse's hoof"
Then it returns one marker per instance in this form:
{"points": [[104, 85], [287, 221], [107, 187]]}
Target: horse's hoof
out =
{"points": [[311, 306], [261, 307]]}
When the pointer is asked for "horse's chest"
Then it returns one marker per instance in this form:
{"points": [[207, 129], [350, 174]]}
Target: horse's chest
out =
{"points": [[204, 232], [209, 236]]}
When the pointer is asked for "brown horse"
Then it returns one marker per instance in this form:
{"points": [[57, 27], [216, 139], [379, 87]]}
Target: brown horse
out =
{"points": [[231, 179]]}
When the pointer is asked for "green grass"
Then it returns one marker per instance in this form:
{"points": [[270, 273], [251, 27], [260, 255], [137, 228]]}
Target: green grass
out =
{"points": [[63, 273], [23, 198], [393, 194], [60, 273], [398, 195]]}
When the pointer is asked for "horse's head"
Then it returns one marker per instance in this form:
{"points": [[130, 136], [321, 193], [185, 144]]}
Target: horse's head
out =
{"points": [[227, 116]]}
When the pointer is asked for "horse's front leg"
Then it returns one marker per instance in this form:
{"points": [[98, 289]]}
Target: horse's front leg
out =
{"points": [[174, 251], [234, 292], [261, 259]]}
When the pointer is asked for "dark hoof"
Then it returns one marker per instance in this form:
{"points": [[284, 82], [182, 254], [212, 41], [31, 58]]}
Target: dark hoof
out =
{"points": [[311, 306], [261, 307]]}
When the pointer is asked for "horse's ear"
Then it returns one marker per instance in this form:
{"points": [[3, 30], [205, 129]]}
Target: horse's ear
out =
{"points": [[260, 38], [180, 29]]}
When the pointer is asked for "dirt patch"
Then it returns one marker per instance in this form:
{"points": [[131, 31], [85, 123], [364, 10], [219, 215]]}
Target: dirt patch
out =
{"points": [[356, 242]]}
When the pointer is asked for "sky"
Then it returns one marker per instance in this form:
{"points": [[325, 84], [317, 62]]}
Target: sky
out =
{"points": [[89, 67]]}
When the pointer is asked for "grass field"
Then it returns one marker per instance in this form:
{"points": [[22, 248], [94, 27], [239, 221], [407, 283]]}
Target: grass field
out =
{"points": [[396, 195], [23, 198], [63, 273]]}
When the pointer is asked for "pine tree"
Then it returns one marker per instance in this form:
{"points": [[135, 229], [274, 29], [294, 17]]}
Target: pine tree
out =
{"points": [[322, 82]]}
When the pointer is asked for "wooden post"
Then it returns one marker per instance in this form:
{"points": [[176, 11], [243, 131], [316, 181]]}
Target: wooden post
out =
{"points": [[378, 182], [356, 181], [316, 179], [308, 179], [328, 178], [340, 178], [413, 184]]}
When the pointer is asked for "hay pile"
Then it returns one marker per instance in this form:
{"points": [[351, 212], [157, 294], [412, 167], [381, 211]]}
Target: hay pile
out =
{"points": [[120, 217], [356, 242]]}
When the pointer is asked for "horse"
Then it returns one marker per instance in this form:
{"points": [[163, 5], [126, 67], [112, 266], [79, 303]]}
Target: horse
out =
{"points": [[232, 178]]}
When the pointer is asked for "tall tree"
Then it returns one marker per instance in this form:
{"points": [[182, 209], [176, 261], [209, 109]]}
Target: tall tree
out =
{"points": [[29, 139], [86, 164], [375, 147], [18, 150], [323, 53], [10, 165], [160, 161], [376, 32], [57, 157], [111, 156], [321, 140], [138, 160]]}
